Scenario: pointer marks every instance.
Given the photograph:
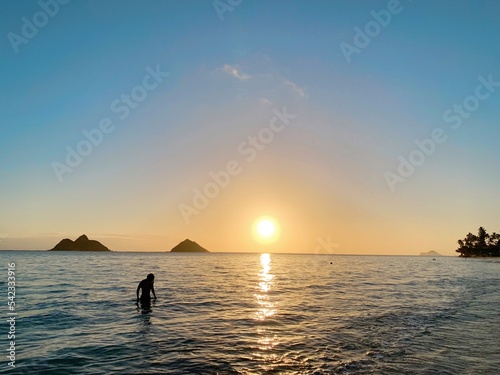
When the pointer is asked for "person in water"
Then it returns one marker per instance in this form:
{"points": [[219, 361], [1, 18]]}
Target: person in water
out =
{"points": [[147, 286]]}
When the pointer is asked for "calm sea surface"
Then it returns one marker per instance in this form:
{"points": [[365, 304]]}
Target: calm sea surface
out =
{"points": [[253, 314]]}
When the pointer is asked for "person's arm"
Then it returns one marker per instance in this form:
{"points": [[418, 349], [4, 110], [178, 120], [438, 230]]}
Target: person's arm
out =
{"points": [[153, 289], [137, 292]]}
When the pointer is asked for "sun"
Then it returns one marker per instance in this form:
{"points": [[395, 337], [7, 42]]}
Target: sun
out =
{"points": [[265, 229]]}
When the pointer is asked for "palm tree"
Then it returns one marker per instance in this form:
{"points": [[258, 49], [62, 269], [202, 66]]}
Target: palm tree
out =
{"points": [[467, 245], [494, 244], [482, 237], [483, 244]]}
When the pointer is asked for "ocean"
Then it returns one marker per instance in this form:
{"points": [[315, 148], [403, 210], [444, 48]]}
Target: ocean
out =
{"points": [[220, 313]]}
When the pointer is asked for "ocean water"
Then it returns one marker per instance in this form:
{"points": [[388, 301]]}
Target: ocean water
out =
{"points": [[253, 314]]}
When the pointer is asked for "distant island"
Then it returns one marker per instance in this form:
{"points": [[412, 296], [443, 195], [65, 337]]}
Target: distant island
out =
{"points": [[188, 246], [431, 253], [482, 245], [82, 243]]}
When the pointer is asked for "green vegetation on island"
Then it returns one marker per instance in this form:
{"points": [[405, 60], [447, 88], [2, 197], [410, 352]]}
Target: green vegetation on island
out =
{"points": [[481, 245]]}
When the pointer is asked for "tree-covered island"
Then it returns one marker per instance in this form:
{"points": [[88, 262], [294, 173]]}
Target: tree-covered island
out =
{"points": [[481, 245]]}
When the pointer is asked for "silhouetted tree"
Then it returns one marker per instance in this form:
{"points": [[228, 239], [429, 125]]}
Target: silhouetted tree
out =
{"points": [[494, 244], [484, 244]]}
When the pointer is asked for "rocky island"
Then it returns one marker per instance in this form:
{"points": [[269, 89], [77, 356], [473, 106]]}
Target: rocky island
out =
{"points": [[188, 246], [431, 253], [82, 243]]}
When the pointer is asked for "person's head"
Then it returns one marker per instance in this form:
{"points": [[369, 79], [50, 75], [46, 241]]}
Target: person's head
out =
{"points": [[151, 277]]}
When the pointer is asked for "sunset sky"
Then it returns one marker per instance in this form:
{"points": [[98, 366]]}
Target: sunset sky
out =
{"points": [[331, 126]]}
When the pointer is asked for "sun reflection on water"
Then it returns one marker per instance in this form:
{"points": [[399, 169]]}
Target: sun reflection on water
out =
{"points": [[266, 307], [267, 339]]}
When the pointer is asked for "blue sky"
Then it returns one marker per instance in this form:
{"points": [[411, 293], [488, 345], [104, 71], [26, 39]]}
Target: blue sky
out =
{"points": [[321, 177]]}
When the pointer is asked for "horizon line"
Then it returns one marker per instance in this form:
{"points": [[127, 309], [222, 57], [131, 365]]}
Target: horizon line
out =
{"points": [[227, 252]]}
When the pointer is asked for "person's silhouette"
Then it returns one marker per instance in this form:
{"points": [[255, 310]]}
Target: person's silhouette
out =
{"points": [[147, 286]]}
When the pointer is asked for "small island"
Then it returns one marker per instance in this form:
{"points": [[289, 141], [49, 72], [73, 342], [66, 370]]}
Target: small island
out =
{"points": [[431, 253], [481, 245], [188, 246], [82, 243]]}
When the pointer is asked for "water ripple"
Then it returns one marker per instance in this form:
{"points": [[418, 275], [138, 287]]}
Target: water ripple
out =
{"points": [[255, 314]]}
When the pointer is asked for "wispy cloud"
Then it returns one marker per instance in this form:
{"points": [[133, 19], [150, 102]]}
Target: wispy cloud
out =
{"points": [[235, 71], [266, 78], [295, 88]]}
